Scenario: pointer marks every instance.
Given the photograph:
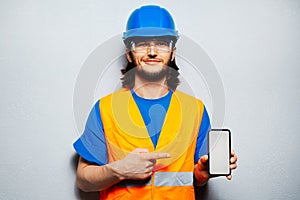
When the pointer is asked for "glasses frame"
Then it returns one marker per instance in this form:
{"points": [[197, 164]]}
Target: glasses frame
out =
{"points": [[146, 48]]}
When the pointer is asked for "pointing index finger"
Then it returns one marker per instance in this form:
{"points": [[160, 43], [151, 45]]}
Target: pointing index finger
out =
{"points": [[155, 156]]}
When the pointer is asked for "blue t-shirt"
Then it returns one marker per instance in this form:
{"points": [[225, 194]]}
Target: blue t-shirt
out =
{"points": [[92, 143]]}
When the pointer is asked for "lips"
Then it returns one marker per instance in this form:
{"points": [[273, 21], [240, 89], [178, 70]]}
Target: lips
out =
{"points": [[152, 61]]}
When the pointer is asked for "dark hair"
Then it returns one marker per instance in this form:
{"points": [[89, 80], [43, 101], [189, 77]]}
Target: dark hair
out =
{"points": [[128, 73]]}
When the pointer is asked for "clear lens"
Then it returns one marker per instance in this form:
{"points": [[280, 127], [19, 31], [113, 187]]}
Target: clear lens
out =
{"points": [[144, 46]]}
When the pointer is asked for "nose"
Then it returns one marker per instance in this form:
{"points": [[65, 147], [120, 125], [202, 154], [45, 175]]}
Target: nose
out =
{"points": [[152, 51]]}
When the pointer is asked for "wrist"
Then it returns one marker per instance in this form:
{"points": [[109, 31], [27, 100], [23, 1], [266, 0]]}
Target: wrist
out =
{"points": [[115, 171], [201, 176]]}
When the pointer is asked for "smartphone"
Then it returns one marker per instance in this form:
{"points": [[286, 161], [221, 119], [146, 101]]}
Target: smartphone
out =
{"points": [[219, 146]]}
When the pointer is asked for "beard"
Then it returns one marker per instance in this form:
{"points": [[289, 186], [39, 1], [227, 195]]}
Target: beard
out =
{"points": [[152, 76]]}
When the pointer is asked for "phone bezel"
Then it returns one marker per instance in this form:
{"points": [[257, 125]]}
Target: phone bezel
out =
{"points": [[208, 138]]}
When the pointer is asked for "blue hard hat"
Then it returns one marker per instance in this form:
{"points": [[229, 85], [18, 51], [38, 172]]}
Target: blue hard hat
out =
{"points": [[150, 21]]}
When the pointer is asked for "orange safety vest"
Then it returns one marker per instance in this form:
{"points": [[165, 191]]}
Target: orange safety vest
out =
{"points": [[125, 130]]}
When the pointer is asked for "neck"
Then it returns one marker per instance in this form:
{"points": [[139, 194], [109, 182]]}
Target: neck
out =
{"points": [[150, 90]]}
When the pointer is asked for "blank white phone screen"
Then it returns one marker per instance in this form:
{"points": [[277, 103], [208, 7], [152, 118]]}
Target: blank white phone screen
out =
{"points": [[219, 148]]}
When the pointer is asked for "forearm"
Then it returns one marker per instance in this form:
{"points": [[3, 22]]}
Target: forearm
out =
{"points": [[95, 178], [200, 183], [137, 165]]}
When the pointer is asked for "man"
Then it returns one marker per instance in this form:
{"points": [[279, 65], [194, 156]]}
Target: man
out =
{"points": [[146, 141]]}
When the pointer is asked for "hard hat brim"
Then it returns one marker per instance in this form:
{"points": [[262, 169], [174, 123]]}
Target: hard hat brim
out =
{"points": [[150, 32]]}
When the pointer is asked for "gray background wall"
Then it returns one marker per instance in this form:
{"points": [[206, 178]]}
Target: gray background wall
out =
{"points": [[253, 44]]}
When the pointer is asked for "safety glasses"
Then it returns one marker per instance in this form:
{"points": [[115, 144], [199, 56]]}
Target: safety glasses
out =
{"points": [[159, 45]]}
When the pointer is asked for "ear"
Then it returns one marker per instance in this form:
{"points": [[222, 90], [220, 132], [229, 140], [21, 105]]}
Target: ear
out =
{"points": [[173, 54], [128, 56]]}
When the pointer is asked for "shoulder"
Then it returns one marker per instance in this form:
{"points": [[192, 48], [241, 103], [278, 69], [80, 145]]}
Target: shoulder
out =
{"points": [[116, 98], [123, 91], [188, 97], [118, 93]]}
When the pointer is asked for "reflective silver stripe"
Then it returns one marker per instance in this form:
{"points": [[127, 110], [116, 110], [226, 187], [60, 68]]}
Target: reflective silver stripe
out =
{"points": [[134, 183], [173, 179], [162, 179]]}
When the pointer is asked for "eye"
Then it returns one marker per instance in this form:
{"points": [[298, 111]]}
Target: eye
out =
{"points": [[141, 44], [162, 43]]}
